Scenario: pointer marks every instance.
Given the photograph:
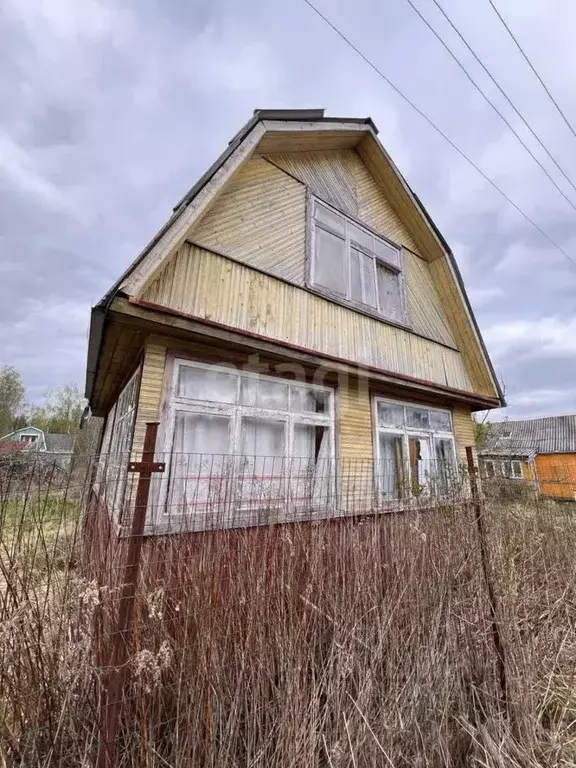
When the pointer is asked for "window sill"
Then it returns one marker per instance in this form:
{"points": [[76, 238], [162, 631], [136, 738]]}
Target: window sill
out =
{"points": [[360, 308]]}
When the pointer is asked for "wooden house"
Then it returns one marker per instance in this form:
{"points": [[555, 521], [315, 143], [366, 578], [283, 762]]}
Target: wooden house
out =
{"points": [[541, 452], [299, 329], [53, 448]]}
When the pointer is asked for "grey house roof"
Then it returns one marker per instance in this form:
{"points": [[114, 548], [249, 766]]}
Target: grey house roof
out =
{"points": [[552, 434], [59, 443]]}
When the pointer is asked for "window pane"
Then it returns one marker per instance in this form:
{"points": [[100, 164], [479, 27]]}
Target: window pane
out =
{"points": [[368, 278], [391, 469], [516, 469], [440, 421], [361, 237], [309, 400], [263, 437], [206, 384], [505, 469], [389, 292], [390, 414], [201, 433], [329, 265], [199, 479], [387, 252], [445, 462], [355, 277], [489, 467], [419, 456], [263, 393], [329, 217], [263, 448], [417, 418]]}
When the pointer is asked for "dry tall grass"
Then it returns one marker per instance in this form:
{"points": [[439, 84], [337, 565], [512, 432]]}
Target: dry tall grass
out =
{"points": [[339, 644]]}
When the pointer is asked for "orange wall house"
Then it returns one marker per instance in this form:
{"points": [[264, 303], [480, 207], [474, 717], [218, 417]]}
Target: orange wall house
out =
{"points": [[541, 450], [557, 474]]}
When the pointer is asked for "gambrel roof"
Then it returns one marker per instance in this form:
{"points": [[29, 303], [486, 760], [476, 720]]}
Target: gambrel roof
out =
{"points": [[551, 434], [278, 131]]}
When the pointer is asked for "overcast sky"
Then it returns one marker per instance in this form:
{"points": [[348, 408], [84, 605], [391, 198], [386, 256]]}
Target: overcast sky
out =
{"points": [[111, 110]]}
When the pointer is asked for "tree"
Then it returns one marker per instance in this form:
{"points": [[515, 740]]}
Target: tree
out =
{"points": [[61, 410], [481, 431], [12, 393]]}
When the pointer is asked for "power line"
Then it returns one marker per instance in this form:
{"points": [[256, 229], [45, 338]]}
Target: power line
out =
{"points": [[438, 130], [491, 103], [533, 68], [504, 94]]}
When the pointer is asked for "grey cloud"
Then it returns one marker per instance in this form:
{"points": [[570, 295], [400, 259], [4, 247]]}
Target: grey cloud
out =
{"points": [[112, 113]]}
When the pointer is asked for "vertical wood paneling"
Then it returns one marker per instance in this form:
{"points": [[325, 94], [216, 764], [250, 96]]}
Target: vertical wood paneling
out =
{"points": [[151, 385], [354, 419], [201, 283], [260, 219], [463, 431]]}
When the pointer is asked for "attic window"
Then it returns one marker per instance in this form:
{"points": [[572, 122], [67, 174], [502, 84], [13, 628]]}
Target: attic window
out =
{"points": [[350, 263]]}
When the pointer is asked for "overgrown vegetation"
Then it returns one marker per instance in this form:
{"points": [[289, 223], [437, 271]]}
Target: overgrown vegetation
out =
{"points": [[341, 644]]}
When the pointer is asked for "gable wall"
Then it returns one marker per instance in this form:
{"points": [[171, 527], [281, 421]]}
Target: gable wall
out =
{"points": [[260, 219], [208, 286]]}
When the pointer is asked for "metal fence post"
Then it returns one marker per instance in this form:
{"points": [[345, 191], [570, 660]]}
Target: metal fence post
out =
{"points": [[116, 676], [492, 600]]}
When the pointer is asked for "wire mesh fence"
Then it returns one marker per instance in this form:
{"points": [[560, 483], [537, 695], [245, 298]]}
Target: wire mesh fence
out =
{"points": [[355, 630]]}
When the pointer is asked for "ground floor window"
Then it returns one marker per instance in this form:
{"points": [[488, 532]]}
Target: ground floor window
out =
{"points": [[116, 446], [414, 448], [241, 442]]}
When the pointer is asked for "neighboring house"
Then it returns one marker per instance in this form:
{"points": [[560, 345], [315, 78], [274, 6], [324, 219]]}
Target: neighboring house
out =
{"points": [[541, 451], [300, 330], [55, 448]]}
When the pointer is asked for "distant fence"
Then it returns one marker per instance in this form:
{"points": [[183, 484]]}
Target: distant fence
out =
{"points": [[434, 628]]}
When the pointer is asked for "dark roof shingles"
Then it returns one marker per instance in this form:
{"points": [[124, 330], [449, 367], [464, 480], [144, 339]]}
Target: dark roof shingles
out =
{"points": [[552, 434]]}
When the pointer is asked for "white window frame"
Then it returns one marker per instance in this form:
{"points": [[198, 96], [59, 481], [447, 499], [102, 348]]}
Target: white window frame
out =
{"points": [[508, 469], [347, 299], [490, 462], [112, 471], [406, 432], [235, 412]]}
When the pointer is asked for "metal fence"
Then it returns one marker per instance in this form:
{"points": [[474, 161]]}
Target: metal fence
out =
{"points": [[433, 628]]}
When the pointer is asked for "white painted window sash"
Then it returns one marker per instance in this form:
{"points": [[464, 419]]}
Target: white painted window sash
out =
{"points": [[406, 432], [350, 243], [235, 412]]}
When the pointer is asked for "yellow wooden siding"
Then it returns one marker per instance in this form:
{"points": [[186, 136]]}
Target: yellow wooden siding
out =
{"points": [[464, 434], [150, 398], [375, 210], [425, 312], [354, 420], [329, 174], [259, 219], [462, 328], [209, 286]]}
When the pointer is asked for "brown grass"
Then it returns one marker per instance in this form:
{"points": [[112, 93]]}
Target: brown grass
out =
{"points": [[338, 645]]}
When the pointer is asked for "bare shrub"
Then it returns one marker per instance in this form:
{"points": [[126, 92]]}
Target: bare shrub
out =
{"points": [[339, 644]]}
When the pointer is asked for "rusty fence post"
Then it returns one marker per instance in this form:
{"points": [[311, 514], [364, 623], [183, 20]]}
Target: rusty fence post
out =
{"points": [[111, 706], [492, 600]]}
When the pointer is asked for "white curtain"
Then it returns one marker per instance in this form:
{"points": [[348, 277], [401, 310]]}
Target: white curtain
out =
{"points": [[311, 471], [263, 458], [391, 468], [199, 479]]}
